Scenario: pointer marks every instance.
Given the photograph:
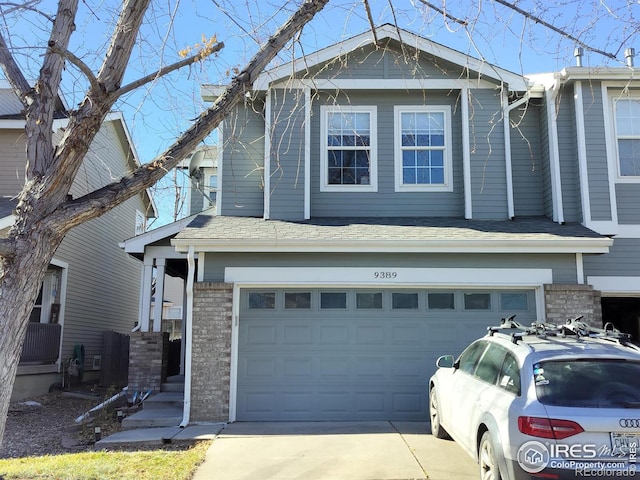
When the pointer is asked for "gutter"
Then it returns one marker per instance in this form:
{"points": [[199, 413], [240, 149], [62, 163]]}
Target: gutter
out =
{"points": [[189, 340]]}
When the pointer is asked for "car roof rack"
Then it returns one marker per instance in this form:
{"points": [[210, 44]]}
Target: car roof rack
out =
{"points": [[573, 327]]}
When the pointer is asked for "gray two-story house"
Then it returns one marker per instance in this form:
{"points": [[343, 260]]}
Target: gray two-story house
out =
{"points": [[379, 205]]}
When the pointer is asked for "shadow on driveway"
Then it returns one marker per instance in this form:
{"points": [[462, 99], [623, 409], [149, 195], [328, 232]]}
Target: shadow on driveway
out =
{"points": [[334, 450]]}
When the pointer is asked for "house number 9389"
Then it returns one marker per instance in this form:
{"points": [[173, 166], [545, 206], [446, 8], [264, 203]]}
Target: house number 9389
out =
{"points": [[385, 274]]}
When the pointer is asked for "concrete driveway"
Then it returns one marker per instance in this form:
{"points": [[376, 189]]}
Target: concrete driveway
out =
{"points": [[334, 450]]}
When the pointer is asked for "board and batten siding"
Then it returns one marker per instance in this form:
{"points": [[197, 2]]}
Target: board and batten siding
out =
{"points": [[242, 177], [287, 174], [103, 282], [596, 142], [562, 265], [526, 162], [621, 261], [386, 201], [488, 168]]}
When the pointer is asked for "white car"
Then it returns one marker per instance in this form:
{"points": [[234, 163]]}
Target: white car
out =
{"points": [[542, 402]]}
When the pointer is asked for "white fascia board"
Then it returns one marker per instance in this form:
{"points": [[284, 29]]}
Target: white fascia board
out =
{"points": [[516, 82], [12, 124], [137, 244], [599, 73], [461, 277], [385, 84], [209, 93], [7, 221], [600, 245], [617, 285]]}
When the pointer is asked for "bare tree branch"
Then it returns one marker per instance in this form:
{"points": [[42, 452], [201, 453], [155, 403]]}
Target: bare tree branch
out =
{"points": [[168, 69], [444, 13], [559, 31], [13, 73], [367, 8], [83, 67], [94, 204]]}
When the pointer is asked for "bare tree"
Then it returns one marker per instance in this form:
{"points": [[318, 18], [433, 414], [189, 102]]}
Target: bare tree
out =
{"points": [[44, 213]]}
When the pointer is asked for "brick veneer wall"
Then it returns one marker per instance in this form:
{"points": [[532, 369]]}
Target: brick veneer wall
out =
{"points": [[148, 361], [211, 352], [568, 301]]}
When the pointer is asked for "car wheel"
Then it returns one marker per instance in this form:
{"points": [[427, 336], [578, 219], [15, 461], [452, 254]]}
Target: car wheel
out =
{"points": [[487, 459], [436, 427]]}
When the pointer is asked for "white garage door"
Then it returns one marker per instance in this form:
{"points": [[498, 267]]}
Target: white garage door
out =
{"points": [[319, 354]]}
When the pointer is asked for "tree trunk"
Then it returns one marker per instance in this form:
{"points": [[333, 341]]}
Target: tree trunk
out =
{"points": [[21, 276]]}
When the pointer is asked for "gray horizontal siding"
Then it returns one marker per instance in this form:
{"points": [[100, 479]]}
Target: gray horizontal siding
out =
{"points": [[390, 62], [243, 167], [287, 154], [627, 195], [103, 282], [623, 259], [488, 169], [597, 167], [12, 162], [526, 162], [563, 265], [546, 166], [568, 150], [387, 202]]}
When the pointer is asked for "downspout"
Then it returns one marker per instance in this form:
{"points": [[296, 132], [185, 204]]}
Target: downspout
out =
{"points": [[189, 338], [507, 109]]}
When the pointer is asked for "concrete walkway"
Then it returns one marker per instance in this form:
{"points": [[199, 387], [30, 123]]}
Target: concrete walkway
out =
{"points": [[334, 450]]}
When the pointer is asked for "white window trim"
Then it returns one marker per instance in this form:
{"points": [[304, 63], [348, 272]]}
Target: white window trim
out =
{"points": [[373, 168], [140, 217], [447, 186], [613, 101], [211, 172]]}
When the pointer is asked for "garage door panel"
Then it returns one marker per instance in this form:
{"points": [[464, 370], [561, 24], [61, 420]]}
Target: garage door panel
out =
{"points": [[314, 364], [297, 334]]}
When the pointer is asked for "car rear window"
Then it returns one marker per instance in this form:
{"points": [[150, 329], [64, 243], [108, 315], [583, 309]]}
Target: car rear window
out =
{"points": [[588, 383]]}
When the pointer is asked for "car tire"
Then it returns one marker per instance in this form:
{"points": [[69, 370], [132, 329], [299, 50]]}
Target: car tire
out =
{"points": [[488, 459], [434, 415]]}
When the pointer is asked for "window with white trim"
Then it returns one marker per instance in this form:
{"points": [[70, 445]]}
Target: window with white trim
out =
{"points": [[627, 113], [423, 148], [348, 144]]}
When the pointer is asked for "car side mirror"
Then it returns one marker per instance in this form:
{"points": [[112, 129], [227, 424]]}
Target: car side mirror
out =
{"points": [[445, 361]]}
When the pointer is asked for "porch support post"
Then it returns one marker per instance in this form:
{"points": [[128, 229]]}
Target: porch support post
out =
{"points": [[159, 296], [145, 295]]}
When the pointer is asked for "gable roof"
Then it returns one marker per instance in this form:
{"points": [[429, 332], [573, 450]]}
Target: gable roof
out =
{"points": [[249, 234], [386, 32]]}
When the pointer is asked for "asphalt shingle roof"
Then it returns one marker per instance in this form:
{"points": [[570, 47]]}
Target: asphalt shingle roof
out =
{"points": [[219, 229]]}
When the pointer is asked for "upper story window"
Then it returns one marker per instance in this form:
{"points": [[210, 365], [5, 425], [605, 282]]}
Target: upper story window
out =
{"points": [[627, 111], [211, 188], [348, 142], [423, 148]]}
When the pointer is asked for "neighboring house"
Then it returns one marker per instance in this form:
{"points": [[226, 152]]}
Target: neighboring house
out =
{"points": [[91, 286], [380, 205]]}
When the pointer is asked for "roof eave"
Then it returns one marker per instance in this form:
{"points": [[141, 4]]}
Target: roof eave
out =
{"points": [[590, 245]]}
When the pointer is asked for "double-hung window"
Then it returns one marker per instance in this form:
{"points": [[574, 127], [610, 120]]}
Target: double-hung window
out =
{"points": [[423, 148], [348, 143], [627, 111]]}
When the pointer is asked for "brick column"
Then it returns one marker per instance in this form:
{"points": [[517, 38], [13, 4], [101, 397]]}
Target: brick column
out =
{"points": [[148, 361], [211, 352], [569, 301]]}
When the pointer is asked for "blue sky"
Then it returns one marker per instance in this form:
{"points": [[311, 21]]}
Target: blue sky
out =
{"points": [[158, 113]]}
